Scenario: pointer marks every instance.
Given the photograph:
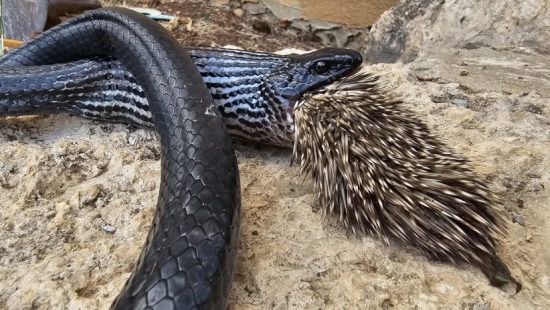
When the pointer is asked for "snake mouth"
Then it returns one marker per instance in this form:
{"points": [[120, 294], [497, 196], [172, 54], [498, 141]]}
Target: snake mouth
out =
{"points": [[292, 104]]}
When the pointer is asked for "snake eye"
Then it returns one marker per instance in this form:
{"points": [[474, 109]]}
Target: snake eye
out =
{"points": [[321, 67]]}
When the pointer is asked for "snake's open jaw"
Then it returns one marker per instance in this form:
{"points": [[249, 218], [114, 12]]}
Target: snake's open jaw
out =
{"points": [[291, 105]]}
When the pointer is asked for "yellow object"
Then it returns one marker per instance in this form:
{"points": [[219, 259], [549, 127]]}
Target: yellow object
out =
{"points": [[12, 43]]}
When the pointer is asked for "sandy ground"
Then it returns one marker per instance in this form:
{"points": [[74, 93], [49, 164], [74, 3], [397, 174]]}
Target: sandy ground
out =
{"points": [[77, 197]]}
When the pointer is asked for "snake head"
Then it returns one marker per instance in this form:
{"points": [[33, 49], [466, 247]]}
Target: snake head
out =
{"points": [[307, 72]]}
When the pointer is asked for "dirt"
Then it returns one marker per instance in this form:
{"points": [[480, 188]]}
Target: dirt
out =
{"points": [[77, 196]]}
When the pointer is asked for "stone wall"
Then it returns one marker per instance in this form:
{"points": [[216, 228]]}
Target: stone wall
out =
{"points": [[414, 26], [352, 13], [401, 30]]}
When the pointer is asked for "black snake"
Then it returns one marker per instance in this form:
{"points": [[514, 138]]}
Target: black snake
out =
{"points": [[189, 255]]}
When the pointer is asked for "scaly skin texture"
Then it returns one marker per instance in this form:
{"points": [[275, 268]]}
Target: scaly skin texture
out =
{"points": [[255, 92], [187, 261], [148, 79]]}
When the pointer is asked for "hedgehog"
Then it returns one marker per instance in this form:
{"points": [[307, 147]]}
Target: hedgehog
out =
{"points": [[377, 168]]}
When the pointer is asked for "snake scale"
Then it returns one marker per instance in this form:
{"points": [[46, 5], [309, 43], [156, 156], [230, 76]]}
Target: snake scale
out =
{"points": [[188, 259]]}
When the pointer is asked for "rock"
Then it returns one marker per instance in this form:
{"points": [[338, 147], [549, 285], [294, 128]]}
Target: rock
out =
{"points": [[8, 226], [517, 218], [285, 10], [351, 13], [288, 15], [423, 65], [255, 8], [108, 228], [390, 38], [22, 18], [463, 103], [414, 26], [331, 34], [481, 307], [219, 2], [238, 12]]}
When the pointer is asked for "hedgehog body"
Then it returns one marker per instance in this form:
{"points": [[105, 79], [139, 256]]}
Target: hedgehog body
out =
{"points": [[379, 170]]}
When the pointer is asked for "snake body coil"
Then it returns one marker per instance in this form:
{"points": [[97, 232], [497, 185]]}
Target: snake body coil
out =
{"points": [[188, 258], [254, 92], [149, 79]]}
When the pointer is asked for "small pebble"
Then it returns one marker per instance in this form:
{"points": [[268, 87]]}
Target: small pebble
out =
{"points": [[8, 226], [238, 12], [460, 102], [219, 2], [99, 203], [108, 228], [423, 65], [481, 307], [517, 218], [132, 140]]}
